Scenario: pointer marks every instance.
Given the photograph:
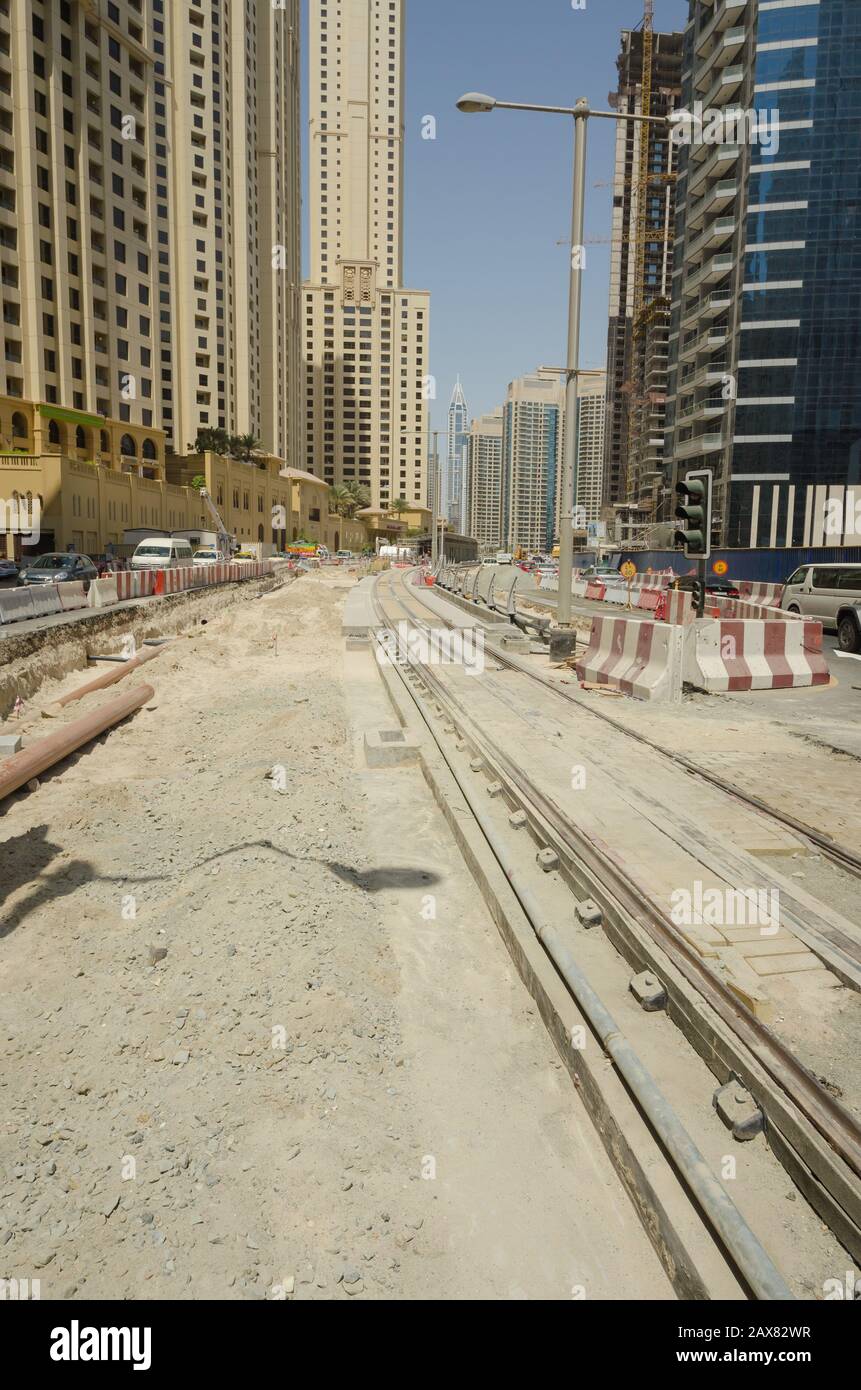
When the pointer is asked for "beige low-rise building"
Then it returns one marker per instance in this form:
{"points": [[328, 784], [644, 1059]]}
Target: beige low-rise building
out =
{"points": [[70, 480]]}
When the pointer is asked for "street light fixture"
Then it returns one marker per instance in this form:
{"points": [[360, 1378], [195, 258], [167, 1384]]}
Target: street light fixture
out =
{"points": [[476, 102]]}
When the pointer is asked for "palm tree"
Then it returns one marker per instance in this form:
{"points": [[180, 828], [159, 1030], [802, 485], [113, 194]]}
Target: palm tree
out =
{"points": [[244, 446], [360, 495], [340, 499], [399, 505]]}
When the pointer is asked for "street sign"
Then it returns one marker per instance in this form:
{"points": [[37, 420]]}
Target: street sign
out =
{"points": [[720, 566], [628, 570]]}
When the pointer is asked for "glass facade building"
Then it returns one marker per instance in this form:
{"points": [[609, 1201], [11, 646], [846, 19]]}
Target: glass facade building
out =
{"points": [[765, 350]]}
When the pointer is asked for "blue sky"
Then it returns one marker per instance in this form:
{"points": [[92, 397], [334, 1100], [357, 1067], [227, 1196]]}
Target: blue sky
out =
{"points": [[488, 199]]}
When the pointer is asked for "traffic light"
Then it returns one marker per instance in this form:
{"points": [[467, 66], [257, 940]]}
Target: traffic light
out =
{"points": [[694, 508]]}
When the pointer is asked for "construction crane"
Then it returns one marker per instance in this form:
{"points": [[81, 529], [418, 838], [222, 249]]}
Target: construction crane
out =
{"points": [[226, 543]]}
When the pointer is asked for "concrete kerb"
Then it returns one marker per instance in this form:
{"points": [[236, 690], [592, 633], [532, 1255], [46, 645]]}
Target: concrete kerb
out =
{"points": [[358, 615]]}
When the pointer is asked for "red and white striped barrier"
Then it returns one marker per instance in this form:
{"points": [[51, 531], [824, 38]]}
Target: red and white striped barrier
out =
{"points": [[741, 608], [727, 654], [766, 594], [649, 599], [596, 591], [135, 583], [642, 659], [655, 581], [676, 606]]}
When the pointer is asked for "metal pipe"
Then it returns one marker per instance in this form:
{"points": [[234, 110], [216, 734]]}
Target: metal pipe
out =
{"points": [[23, 766]]}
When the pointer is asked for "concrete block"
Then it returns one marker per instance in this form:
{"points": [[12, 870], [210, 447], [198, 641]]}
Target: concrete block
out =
{"points": [[513, 641], [358, 613], [517, 820], [390, 748], [547, 859], [589, 913], [9, 744], [495, 789], [477, 764], [562, 643], [738, 1110], [648, 991]]}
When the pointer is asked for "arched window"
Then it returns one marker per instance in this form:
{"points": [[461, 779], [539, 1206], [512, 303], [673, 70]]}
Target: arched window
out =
{"points": [[53, 432], [104, 442], [127, 446], [295, 533], [19, 426], [80, 438], [149, 450], [260, 532]]}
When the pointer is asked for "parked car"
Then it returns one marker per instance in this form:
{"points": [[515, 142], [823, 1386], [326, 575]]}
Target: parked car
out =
{"points": [[345, 555], [8, 572], [57, 568], [849, 628], [208, 555], [721, 587], [161, 553], [820, 591]]}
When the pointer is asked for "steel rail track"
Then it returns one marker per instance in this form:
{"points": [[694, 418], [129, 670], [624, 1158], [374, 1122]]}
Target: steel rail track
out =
{"points": [[839, 854], [833, 1122]]}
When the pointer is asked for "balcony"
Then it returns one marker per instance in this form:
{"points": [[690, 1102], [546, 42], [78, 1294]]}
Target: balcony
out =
{"points": [[698, 444], [701, 410], [722, 160], [715, 234], [724, 15], [729, 44], [708, 274], [714, 200], [725, 85], [716, 303]]}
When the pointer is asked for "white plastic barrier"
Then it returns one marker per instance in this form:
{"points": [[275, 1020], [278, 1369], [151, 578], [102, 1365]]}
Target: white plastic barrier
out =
{"points": [[72, 595], [103, 592], [16, 605], [46, 600]]}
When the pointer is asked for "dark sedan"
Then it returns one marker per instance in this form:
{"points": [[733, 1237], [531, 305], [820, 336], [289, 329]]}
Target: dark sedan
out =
{"points": [[8, 571], [58, 569]]}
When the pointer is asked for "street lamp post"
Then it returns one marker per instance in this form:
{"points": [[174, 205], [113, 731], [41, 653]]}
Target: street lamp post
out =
{"points": [[475, 102]]}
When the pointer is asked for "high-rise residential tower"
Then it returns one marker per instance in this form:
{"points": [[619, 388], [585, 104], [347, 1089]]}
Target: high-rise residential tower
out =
{"points": [[484, 518], [533, 420], [365, 335], [765, 368], [641, 263], [457, 461], [591, 398], [149, 216]]}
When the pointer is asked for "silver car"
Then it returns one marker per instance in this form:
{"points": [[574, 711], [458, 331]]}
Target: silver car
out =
{"points": [[58, 569]]}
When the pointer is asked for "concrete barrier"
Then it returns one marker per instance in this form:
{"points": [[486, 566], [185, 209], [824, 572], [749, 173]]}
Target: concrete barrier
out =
{"points": [[676, 606], [73, 595], [46, 600], [16, 605], [642, 659], [743, 608], [727, 654], [103, 592], [358, 615], [766, 594], [595, 591]]}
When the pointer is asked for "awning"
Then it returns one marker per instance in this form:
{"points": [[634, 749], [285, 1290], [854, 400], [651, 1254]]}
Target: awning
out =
{"points": [[72, 417]]}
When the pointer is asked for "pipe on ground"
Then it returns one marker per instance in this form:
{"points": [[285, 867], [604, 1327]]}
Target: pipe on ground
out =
{"points": [[16, 771], [109, 678]]}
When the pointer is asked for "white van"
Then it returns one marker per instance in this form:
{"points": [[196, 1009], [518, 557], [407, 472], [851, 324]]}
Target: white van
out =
{"points": [[161, 553], [504, 557], [819, 591]]}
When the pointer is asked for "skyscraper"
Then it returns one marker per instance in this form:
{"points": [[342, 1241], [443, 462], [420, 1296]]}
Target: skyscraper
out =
{"points": [[765, 381], [641, 264], [484, 519], [366, 336], [533, 419], [149, 215], [457, 462], [590, 448]]}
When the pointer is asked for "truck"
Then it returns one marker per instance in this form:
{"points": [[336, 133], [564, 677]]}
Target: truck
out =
{"points": [[503, 557]]}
